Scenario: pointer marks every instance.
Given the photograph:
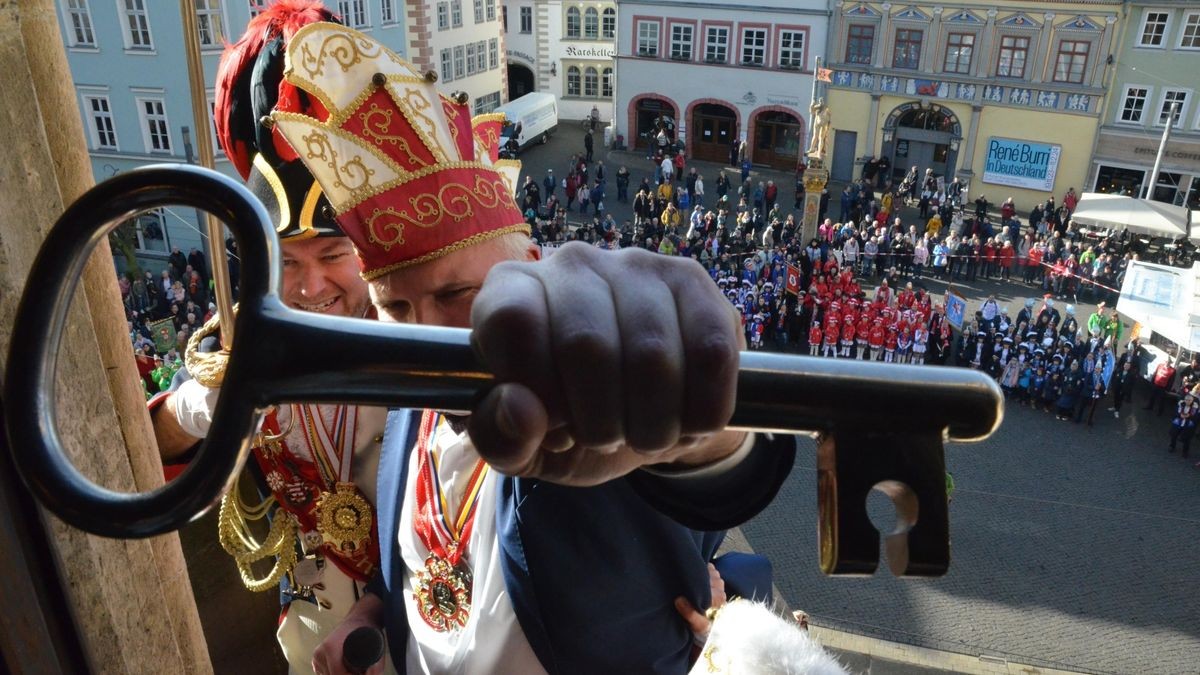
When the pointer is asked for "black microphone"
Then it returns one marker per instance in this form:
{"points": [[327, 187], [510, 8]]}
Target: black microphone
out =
{"points": [[361, 649]]}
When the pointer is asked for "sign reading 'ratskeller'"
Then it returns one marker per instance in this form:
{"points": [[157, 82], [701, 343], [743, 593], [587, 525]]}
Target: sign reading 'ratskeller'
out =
{"points": [[590, 52]]}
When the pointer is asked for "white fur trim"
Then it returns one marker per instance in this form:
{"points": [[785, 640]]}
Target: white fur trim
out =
{"points": [[748, 638]]}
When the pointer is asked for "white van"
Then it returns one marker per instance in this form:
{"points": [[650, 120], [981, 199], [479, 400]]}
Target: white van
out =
{"points": [[531, 118]]}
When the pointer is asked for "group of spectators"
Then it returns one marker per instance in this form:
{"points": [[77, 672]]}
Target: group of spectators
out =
{"points": [[750, 243], [180, 292]]}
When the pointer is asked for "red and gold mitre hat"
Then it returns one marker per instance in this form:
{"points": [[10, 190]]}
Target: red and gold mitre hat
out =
{"points": [[410, 175]]}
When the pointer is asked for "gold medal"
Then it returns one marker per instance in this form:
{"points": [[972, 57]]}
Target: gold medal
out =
{"points": [[443, 595], [443, 589], [344, 517]]}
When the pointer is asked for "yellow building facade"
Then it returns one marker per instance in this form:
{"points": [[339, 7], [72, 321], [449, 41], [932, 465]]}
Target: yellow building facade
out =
{"points": [[1005, 96]]}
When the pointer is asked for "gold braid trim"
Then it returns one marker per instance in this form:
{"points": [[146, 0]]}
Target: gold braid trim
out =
{"points": [[207, 368], [458, 245], [233, 532]]}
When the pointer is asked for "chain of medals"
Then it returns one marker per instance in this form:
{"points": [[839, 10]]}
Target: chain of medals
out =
{"points": [[443, 588], [344, 517]]}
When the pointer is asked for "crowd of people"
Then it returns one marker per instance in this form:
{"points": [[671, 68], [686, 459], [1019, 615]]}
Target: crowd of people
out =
{"points": [[856, 290], [163, 310]]}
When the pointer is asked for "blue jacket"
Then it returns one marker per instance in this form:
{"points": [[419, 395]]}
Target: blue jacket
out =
{"points": [[593, 572]]}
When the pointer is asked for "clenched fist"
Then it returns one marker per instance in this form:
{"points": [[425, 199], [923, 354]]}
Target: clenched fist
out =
{"points": [[605, 362]]}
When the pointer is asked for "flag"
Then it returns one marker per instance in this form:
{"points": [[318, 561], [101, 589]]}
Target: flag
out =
{"points": [[956, 309], [164, 335], [793, 280], [824, 74]]}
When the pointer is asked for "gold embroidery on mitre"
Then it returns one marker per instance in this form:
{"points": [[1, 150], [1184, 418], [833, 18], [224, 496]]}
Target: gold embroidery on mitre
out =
{"points": [[454, 201], [509, 170], [423, 117], [488, 117], [374, 226], [360, 59], [345, 48], [347, 202], [450, 110], [377, 122], [489, 139], [349, 169], [350, 175]]}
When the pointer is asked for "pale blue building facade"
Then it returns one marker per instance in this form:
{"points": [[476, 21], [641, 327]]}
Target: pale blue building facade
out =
{"points": [[129, 69]]}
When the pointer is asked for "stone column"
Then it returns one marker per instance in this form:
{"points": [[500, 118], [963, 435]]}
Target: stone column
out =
{"points": [[931, 46], [884, 39], [130, 600], [1041, 51], [983, 52], [966, 155], [872, 126], [816, 177]]}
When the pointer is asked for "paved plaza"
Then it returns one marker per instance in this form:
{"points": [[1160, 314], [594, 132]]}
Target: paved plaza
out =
{"points": [[1073, 547]]}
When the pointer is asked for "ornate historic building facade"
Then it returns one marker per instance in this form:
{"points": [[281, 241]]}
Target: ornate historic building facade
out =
{"points": [[127, 61], [723, 70], [563, 47], [463, 41], [1158, 64], [1006, 96]]}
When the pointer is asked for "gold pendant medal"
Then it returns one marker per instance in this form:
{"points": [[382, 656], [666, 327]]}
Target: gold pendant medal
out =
{"points": [[443, 595], [344, 517]]}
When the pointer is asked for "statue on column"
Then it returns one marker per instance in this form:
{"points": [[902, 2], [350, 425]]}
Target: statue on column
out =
{"points": [[816, 176], [819, 114]]}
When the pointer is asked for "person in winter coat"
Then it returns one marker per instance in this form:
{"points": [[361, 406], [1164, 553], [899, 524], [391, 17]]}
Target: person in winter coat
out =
{"points": [[1183, 426]]}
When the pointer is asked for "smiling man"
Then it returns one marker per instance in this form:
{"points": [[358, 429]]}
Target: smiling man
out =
{"points": [[566, 525], [311, 461]]}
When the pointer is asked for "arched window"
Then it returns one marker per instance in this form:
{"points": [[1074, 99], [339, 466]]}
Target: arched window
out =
{"points": [[591, 83], [609, 24], [606, 83], [591, 24], [573, 81], [573, 22]]}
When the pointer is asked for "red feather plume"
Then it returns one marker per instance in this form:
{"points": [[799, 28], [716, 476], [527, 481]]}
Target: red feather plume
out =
{"points": [[283, 17]]}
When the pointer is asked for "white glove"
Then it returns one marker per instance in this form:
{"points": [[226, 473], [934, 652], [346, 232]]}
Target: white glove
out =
{"points": [[193, 404]]}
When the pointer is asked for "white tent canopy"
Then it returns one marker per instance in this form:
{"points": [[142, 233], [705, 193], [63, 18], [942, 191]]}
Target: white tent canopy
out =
{"points": [[1165, 300], [1141, 216]]}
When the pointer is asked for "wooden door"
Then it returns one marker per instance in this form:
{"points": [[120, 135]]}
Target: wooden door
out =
{"points": [[711, 137]]}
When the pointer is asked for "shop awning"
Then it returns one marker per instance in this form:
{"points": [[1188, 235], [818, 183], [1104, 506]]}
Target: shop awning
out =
{"points": [[1141, 216]]}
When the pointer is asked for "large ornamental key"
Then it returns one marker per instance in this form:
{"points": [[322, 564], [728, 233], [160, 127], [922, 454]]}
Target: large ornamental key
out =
{"points": [[281, 355]]}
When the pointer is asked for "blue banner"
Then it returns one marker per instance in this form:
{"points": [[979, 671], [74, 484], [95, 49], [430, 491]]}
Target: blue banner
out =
{"points": [[956, 309], [1023, 164]]}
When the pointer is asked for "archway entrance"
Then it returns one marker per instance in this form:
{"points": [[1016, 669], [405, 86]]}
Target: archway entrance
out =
{"points": [[649, 115], [712, 128], [520, 80], [925, 136], [778, 136]]}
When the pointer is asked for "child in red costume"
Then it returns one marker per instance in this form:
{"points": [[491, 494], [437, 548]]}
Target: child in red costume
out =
{"points": [[814, 339], [889, 345], [832, 333], [861, 335], [847, 338], [876, 338]]}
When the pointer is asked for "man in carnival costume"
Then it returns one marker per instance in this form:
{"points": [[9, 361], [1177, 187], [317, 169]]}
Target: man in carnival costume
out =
{"points": [[312, 461], [565, 525]]}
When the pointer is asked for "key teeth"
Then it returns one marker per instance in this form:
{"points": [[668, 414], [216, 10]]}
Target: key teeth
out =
{"points": [[910, 468]]}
